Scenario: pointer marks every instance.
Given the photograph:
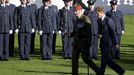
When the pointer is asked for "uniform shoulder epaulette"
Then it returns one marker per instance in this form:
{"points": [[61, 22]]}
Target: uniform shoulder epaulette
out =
{"points": [[86, 19]]}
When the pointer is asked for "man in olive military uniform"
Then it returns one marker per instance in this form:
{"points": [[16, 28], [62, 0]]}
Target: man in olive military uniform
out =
{"points": [[82, 41], [90, 12]]}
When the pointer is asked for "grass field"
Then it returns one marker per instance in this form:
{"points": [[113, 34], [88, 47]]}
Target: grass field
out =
{"points": [[59, 66]]}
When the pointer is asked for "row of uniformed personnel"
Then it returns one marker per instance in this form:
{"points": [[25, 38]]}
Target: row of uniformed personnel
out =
{"points": [[23, 21], [26, 19]]}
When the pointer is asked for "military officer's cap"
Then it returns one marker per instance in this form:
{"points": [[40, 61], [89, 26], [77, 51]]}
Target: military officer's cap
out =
{"points": [[91, 2], [113, 2], [67, 0]]}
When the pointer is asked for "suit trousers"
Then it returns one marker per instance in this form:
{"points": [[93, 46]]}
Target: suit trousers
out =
{"points": [[107, 60], [4, 45]]}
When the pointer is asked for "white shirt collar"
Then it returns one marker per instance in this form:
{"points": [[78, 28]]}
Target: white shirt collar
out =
{"points": [[103, 17], [7, 4], [29, 3], [114, 10], [68, 7], [23, 5], [46, 7]]}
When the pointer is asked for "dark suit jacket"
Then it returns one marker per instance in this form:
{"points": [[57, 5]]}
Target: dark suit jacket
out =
{"points": [[6, 22], [107, 30], [118, 19]]}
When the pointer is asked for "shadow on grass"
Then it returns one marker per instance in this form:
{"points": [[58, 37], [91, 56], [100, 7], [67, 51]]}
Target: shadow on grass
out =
{"points": [[127, 45], [48, 72]]}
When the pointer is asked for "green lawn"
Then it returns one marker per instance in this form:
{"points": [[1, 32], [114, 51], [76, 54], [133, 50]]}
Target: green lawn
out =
{"points": [[59, 66]]}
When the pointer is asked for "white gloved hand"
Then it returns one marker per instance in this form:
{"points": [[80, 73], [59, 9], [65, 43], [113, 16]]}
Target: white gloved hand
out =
{"points": [[59, 32], [53, 32], [40, 32], [123, 32], [33, 30], [16, 31], [11, 31]]}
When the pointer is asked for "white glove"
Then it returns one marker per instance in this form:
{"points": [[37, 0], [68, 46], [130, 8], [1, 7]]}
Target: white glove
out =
{"points": [[11, 31], [33, 30], [53, 32], [16, 31], [123, 32], [40, 32], [59, 32]]}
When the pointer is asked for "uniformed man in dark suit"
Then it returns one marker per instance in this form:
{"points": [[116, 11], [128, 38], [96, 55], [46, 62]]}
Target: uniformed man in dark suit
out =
{"points": [[89, 11], [117, 17], [6, 28], [82, 40], [55, 24], [11, 36], [66, 16], [46, 28], [107, 32], [24, 22], [33, 9]]}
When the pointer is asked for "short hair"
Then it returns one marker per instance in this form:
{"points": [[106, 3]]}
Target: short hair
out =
{"points": [[99, 9]]}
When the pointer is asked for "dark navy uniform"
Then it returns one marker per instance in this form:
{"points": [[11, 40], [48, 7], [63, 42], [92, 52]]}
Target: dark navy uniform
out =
{"points": [[117, 17], [24, 22], [66, 26], [82, 41], [11, 36], [6, 24], [92, 15], [107, 30], [55, 24], [33, 9], [45, 24]]}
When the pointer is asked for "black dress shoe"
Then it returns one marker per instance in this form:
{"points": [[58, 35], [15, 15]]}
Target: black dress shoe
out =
{"points": [[26, 58], [5, 59], [48, 58], [43, 58], [69, 57], [21, 59], [1, 59]]}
